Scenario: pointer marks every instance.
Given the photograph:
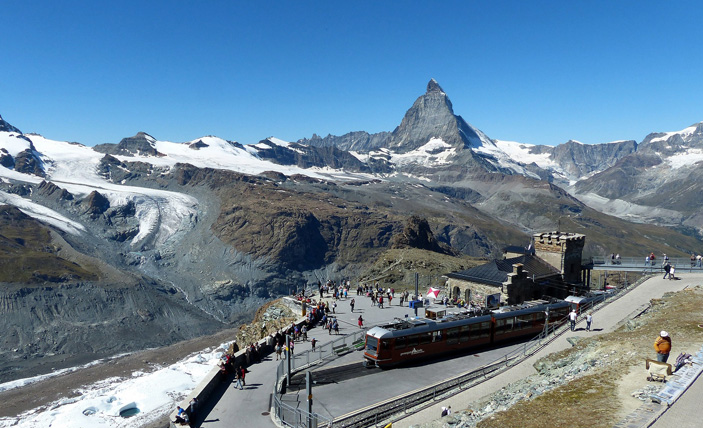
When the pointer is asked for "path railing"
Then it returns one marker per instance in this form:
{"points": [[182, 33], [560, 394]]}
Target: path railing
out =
{"points": [[289, 414], [682, 264]]}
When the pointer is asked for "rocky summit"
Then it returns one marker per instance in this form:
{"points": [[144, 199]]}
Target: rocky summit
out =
{"points": [[181, 239]]}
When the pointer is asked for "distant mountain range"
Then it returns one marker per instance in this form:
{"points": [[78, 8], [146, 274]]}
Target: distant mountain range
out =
{"points": [[206, 230]]}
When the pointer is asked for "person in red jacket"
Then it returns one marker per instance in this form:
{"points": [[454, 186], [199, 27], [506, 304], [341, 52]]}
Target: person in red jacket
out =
{"points": [[663, 346]]}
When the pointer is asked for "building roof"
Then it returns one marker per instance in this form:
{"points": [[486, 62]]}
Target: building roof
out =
{"points": [[516, 249], [496, 272]]}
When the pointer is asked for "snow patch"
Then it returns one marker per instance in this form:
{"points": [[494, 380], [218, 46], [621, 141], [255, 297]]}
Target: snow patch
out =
{"points": [[684, 133], [98, 405], [688, 158], [42, 213], [434, 152]]}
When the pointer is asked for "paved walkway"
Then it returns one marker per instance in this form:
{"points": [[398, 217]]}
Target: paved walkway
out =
{"points": [[605, 321], [250, 407]]}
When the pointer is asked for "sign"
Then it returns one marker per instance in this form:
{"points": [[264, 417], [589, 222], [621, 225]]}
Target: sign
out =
{"points": [[493, 300]]}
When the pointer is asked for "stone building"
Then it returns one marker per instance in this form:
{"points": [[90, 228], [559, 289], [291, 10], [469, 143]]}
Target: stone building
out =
{"points": [[549, 267]]}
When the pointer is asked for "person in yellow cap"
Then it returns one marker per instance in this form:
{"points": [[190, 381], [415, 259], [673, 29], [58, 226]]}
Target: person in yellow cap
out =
{"points": [[663, 346]]}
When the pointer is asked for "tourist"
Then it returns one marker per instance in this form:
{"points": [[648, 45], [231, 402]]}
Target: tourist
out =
{"points": [[663, 346], [589, 319], [361, 322], [667, 270], [572, 317], [192, 405], [672, 272], [351, 304], [313, 342], [238, 378], [335, 326], [181, 415], [279, 349]]}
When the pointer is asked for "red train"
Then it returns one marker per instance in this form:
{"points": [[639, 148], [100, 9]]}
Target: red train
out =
{"points": [[416, 338]]}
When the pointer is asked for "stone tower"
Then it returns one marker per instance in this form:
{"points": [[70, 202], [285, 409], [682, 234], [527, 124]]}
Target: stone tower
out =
{"points": [[563, 251]]}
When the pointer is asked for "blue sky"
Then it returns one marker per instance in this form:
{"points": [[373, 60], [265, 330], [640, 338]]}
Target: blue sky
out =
{"points": [[535, 72]]}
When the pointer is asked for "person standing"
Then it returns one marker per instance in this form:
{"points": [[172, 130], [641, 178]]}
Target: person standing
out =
{"points": [[589, 320], [238, 377], [351, 304], [672, 272], [192, 405], [663, 346], [572, 318], [361, 322], [313, 342]]}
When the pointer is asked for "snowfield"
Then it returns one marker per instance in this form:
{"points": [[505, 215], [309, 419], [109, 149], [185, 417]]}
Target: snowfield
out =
{"points": [[98, 405]]}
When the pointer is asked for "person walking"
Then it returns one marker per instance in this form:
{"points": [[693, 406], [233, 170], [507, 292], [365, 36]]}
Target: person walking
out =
{"points": [[380, 301], [361, 322], [572, 318], [672, 272], [589, 320], [313, 342], [351, 304], [667, 269], [335, 326], [663, 346]]}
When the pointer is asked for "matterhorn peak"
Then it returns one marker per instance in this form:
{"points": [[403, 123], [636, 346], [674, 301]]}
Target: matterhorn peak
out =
{"points": [[433, 86]]}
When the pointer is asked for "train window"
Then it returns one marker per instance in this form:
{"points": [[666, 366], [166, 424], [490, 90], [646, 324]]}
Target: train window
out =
{"points": [[464, 333], [400, 343], [475, 328], [452, 336], [371, 344], [509, 322], [437, 336], [485, 329], [413, 340], [426, 338]]}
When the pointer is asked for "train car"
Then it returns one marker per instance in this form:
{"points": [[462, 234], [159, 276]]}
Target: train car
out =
{"points": [[416, 338]]}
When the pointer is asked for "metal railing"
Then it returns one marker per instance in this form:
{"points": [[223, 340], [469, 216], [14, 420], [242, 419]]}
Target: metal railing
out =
{"points": [[291, 416], [656, 265]]}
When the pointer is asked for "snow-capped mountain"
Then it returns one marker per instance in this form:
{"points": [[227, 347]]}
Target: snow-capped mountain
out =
{"points": [[214, 228]]}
